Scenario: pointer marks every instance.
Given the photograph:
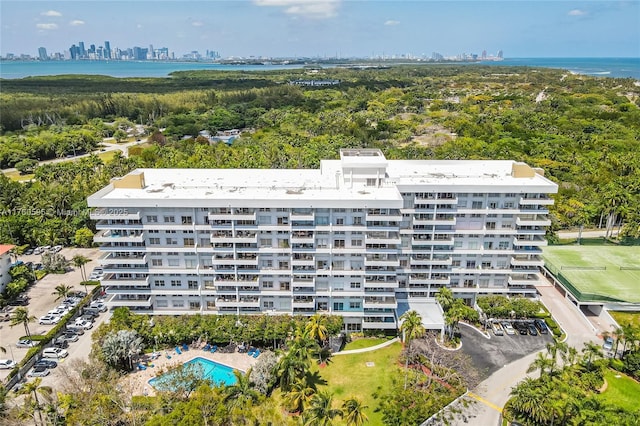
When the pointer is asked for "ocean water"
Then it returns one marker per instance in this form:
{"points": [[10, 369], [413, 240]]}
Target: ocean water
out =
{"points": [[598, 67]]}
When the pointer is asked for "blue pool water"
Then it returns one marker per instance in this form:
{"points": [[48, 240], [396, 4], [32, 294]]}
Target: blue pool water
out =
{"points": [[218, 374]]}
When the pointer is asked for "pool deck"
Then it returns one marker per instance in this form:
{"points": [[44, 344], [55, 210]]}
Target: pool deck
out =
{"points": [[138, 381]]}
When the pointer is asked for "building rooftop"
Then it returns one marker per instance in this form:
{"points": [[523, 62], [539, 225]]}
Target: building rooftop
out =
{"points": [[5, 248]]}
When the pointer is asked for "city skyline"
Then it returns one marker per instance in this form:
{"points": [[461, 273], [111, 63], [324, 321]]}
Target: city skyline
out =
{"points": [[328, 28]]}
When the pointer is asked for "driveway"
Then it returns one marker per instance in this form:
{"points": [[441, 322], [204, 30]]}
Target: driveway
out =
{"points": [[490, 355]]}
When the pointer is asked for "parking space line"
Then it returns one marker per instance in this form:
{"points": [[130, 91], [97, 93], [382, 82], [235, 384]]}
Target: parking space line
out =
{"points": [[485, 402]]}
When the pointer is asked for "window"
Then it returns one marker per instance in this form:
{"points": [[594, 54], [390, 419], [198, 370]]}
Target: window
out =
{"points": [[267, 304], [503, 245], [152, 231], [267, 284], [264, 220], [340, 221], [357, 220], [338, 244], [322, 220], [189, 242], [476, 205], [190, 264], [169, 219], [371, 181], [176, 283], [266, 264], [265, 242], [174, 262], [338, 306], [192, 284], [356, 243], [355, 285], [152, 219], [159, 283], [156, 262], [154, 241], [355, 305], [194, 305], [508, 205], [170, 231], [177, 303]]}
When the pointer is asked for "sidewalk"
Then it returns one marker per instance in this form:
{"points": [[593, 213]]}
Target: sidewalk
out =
{"points": [[369, 349]]}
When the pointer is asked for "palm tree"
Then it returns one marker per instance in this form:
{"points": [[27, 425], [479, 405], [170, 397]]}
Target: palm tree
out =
{"points": [[242, 393], [444, 296], [34, 388], [299, 395], [62, 291], [618, 334], [353, 411], [289, 370], [21, 316], [320, 411], [411, 328], [591, 351], [542, 363], [316, 328], [79, 261]]}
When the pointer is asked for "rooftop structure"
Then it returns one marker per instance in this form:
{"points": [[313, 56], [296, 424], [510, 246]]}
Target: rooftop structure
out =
{"points": [[355, 237]]}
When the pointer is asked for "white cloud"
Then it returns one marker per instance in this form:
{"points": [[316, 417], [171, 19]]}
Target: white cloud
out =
{"points": [[577, 12], [76, 22], [392, 22], [197, 23], [51, 13], [139, 26], [47, 26], [316, 9]]}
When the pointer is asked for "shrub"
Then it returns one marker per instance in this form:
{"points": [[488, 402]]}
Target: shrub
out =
{"points": [[616, 364]]}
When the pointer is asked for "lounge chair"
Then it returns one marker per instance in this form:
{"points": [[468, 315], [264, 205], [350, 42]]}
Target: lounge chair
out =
{"points": [[251, 351], [178, 351], [256, 354], [214, 348], [141, 367], [207, 347], [185, 347], [167, 355]]}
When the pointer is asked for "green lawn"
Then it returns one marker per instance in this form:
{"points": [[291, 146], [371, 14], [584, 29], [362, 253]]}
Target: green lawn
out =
{"points": [[348, 375], [611, 282], [366, 342], [621, 391], [15, 175], [626, 317]]}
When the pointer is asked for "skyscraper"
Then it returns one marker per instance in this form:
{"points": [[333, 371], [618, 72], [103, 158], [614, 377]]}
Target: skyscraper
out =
{"points": [[107, 50], [82, 52], [42, 54]]}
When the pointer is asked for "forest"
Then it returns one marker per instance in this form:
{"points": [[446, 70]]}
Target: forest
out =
{"points": [[583, 131]]}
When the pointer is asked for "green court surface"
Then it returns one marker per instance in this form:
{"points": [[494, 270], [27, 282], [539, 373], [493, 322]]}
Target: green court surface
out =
{"points": [[597, 273]]}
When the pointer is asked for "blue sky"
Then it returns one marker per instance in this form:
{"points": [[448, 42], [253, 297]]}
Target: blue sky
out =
{"points": [[282, 28]]}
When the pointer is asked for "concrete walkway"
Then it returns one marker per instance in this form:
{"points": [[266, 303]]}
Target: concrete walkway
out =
{"points": [[369, 349], [592, 233]]}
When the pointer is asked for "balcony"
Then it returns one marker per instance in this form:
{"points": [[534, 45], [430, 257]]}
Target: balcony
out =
{"points": [[299, 215], [114, 214], [128, 290], [126, 269], [435, 221], [530, 242], [110, 279], [523, 280], [536, 201], [388, 323], [382, 262], [377, 217], [527, 261], [376, 282], [382, 239], [302, 282], [112, 236], [303, 303], [130, 301], [112, 258], [435, 261], [302, 238], [243, 216]]}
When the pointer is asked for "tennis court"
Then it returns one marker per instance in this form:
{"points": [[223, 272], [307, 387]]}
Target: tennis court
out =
{"points": [[597, 273]]}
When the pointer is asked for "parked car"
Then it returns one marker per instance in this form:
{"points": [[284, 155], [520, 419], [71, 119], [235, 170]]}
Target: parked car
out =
{"points": [[26, 343], [78, 330], [532, 329], [46, 363], [19, 301], [541, 326], [37, 266], [28, 252], [507, 327], [521, 327], [91, 312], [5, 313], [7, 364], [59, 342], [38, 250], [55, 353], [100, 306], [83, 324], [608, 343], [70, 336], [56, 249], [49, 319], [38, 372], [496, 328]]}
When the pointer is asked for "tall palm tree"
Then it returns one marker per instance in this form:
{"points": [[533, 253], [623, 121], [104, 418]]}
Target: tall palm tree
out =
{"points": [[242, 393], [591, 351], [62, 291], [299, 395], [33, 388], [444, 296], [353, 411], [411, 328], [290, 369], [79, 261], [542, 363], [21, 316], [320, 411], [316, 328]]}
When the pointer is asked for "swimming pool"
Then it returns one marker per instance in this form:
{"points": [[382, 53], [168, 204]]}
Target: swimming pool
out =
{"points": [[218, 374]]}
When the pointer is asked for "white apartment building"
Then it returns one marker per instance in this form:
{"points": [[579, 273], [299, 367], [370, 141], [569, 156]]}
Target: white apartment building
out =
{"points": [[362, 237], [5, 265]]}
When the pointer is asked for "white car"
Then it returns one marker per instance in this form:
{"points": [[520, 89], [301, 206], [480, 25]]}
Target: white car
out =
{"points": [[56, 249], [83, 324], [25, 343], [7, 364], [100, 306], [508, 328], [49, 319]]}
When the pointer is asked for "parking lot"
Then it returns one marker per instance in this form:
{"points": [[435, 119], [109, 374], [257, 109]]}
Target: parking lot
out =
{"points": [[42, 300], [489, 355]]}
